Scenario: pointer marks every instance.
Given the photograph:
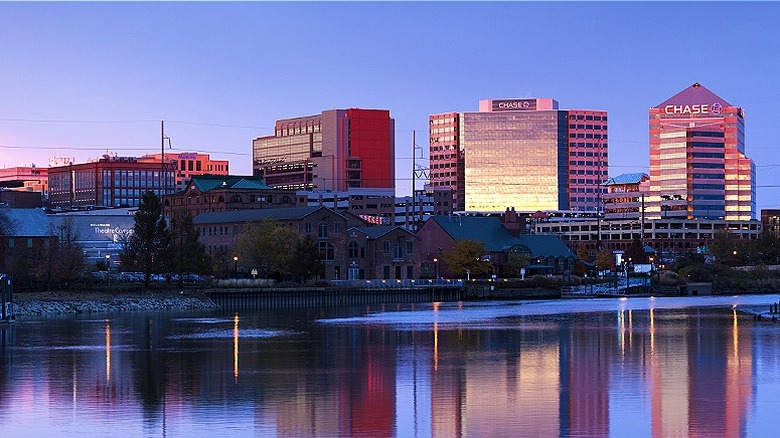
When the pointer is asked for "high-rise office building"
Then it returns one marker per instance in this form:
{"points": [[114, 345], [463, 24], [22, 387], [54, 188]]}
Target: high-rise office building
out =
{"points": [[520, 153], [336, 150], [698, 166]]}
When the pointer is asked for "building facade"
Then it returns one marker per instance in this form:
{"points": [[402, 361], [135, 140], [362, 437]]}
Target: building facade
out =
{"points": [[669, 237], [185, 165], [335, 150], [107, 182], [26, 179], [625, 197], [210, 193], [382, 207], [520, 153], [698, 166]]}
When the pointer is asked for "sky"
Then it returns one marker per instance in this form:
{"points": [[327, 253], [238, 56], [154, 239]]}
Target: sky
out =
{"points": [[84, 79]]}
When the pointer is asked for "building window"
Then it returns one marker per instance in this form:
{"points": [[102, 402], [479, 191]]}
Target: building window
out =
{"points": [[397, 251], [409, 247], [337, 228], [386, 272], [353, 250], [326, 251], [386, 248], [322, 230], [308, 227]]}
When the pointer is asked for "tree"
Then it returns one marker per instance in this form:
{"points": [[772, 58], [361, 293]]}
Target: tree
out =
{"points": [[515, 261], [6, 227], [186, 254], [465, 257], [605, 260], [63, 256], [579, 266], [635, 252], [306, 263], [268, 247], [146, 247]]}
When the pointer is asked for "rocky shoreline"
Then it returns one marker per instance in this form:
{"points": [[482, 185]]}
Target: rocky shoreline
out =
{"points": [[27, 305]]}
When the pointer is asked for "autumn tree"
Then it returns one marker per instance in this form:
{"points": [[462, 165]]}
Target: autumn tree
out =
{"points": [[605, 260], [268, 247], [146, 248], [466, 256]]}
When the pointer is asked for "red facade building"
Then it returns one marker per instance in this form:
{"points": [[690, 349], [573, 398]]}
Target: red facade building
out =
{"points": [[335, 150]]}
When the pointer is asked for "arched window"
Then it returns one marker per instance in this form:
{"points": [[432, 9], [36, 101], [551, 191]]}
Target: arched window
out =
{"points": [[326, 251]]}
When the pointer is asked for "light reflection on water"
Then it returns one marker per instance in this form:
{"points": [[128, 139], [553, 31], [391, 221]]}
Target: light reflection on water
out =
{"points": [[638, 367]]}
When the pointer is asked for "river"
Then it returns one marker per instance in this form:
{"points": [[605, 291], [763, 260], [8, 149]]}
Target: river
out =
{"points": [[640, 367]]}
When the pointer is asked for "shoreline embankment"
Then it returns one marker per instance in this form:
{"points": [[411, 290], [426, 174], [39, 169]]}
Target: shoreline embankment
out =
{"points": [[43, 304]]}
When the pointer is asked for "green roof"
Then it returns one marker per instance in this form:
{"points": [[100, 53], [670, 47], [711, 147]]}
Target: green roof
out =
{"points": [[489, 230], [254, 215], [204, 183], [497, 238], [545, 245]]}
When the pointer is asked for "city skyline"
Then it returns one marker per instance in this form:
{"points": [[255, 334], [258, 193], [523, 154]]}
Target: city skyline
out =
{"points": [[81, 80]]}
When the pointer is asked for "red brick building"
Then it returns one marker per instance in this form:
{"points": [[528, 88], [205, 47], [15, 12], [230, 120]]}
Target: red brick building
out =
{"points": [[212, 193], [107, 182]]}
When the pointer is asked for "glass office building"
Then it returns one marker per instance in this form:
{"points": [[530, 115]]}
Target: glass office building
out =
{"points": [[698, 166], [524, 154]]}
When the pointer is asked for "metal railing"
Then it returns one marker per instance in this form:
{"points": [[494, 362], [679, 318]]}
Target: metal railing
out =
{"points": [[406, 283]]}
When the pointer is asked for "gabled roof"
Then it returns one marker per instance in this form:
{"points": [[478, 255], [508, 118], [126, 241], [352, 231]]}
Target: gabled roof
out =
{"points": [[379, 231], [204, 183], [497, 238], [626, 178], [254, 215], [489, 230], [545, 245], [27, 222], [695, 94]]}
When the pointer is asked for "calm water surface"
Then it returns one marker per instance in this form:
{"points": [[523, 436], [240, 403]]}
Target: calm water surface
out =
{"points": [[605, 367]]}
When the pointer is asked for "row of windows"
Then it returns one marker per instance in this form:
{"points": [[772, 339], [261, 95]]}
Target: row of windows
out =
{"points": [[12, 242], [587, 145], [581, 117], [581, 135], [596, 127], [586, 154], [583, 163]]}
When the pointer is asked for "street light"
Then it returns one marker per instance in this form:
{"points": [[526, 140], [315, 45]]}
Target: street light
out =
{"points": [[235, 266], [108, 268], [436, 263]]}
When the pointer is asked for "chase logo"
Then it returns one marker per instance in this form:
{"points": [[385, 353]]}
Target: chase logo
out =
{"points": [[716, 108]]}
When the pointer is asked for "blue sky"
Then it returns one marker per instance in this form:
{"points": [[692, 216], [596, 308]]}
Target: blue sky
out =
{"points": [[80, 79]]}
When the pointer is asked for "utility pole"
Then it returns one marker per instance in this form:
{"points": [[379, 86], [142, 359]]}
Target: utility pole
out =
{"points": [[642, 231], [162, 158], [414, 180]]}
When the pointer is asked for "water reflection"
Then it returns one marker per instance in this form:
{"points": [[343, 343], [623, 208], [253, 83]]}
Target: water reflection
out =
{"points": [[639, 372]]}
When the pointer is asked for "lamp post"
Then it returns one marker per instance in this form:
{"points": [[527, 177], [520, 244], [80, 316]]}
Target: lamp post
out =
{"points": [[108, 268], [235, 266], [436, 267]]}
